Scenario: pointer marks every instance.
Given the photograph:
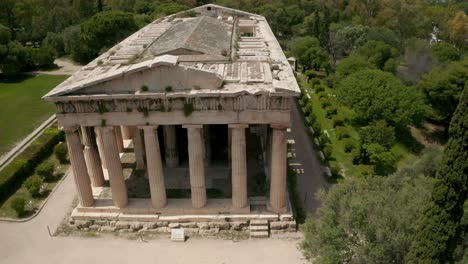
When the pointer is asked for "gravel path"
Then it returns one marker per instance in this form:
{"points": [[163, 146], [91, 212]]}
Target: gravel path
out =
{"points": [[29, 242], [310, 177]]}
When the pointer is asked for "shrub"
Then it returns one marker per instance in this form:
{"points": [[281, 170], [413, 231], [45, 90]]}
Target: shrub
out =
{"points": [[317, 128], [327, 151], [348, 146], [304, 99], [12, 176], [338, 121], [319, 88], [324, 139], [356, 153], [188, 109], [61, 152], [342, 132], [332, 111], [335, 168], [46, 170], [33, 184], [168, 88], [312, 118], [325, 102], [18, 204], [322, 95], [308, 108], [315, 81], [144, 88]]}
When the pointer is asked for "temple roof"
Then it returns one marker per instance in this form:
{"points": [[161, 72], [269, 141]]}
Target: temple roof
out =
{"points": [[234, 51]]}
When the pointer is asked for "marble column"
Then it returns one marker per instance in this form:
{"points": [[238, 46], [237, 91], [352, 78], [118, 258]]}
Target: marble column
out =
{"points": [[155, 167], [138, 148], [78, 164], [126, 132], [92, 158], [239, 165], [114, 167], [98, 133], [119, 139], [277, 202], [170, 144], [229, 146], [196, 164]]}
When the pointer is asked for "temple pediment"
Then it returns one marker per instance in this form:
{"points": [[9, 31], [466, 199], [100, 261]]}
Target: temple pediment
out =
{"points": [[163, 74]]}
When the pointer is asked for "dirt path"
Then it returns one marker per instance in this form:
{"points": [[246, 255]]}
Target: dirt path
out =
{"points": [[310, 178], [65, 67], [29, 242]]}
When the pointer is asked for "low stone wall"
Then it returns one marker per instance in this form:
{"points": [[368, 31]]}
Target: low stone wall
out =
{"points": [[191, 226]]}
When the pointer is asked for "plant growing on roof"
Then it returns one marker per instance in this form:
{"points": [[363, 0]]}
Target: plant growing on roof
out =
{"points": [[144, 88], [188, 108]]}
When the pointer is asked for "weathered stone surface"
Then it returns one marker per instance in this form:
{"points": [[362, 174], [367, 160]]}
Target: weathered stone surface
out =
{"points": [[220, 225], [94, 228], [174, 225], [101, 222], [209, 232], [121, 225], [162, 224], [82, 223], [203, 226], [150, 225], [278, 225], [188, 225], [191, 231], [163, 230], [135, 226]]}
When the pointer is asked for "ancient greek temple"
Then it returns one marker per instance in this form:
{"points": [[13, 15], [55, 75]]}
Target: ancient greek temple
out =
{"points": [[187, 116]]}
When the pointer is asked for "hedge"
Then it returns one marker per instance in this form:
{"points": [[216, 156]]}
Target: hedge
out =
{"points": [[13, 175]]}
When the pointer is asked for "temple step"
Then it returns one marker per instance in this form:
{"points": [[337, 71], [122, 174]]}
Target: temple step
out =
{"points": [[259, 229]]}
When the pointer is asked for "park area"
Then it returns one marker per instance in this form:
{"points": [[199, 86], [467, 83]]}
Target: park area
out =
{"points": [[21, 107]]}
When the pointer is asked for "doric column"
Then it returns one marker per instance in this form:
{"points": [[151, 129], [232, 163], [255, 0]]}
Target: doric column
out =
{"points": [[278, 163], [126, 132], [98, 133], [155, 168], [114, 167], [170, 143], [207, 146], [119, 139], [197, 169], [239, 166], [92, 156], [80, 173], [229, 145], [138, 148]]}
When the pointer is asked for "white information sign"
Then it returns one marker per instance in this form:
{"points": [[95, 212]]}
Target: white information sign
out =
{"points": [[178, 234]]}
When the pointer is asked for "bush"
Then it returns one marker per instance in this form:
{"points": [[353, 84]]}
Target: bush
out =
{"points": [[324, 139], [315, 81], [342, 132], [335, 168], [332, 111], [325, 102], [312, 118], [304, 99], [13, 175], [33, 184], [338, 121], [308, 108], [327, 151], [322, 95], [317, 128], [61, 152], [18, 204], [319, 88], [46, 170], [348, 146]]}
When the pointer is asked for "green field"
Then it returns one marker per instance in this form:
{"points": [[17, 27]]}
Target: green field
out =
{"points": [[21, 107]]}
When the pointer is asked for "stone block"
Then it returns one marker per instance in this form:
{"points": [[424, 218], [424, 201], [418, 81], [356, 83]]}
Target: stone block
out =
{"points": [[191, 231], [209, 232], [163, 230], [135, 226], [220, 225], [82, 223], [286, 217], [162, 224], [258, 222], [101, 222], [94, 228], [150, 225], [174, 225], [189, 225], [121, 225], [278, 225], [237, 226], [203, 226]]}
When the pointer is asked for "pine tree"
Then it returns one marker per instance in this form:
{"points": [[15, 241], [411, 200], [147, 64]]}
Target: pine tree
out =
{"points": [[439, 228]]}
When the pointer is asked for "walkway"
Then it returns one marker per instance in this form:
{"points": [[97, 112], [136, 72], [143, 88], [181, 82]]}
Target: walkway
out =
{"points": [[310, 178], [29, 242]]}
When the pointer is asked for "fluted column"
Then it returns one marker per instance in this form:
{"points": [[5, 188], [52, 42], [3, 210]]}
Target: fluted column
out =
{"points": [[92, 158], [197, 169], [114, 167], [277, 202], [126, 132], [119, 139], [100, 145], [239, 166], [78, 164], [155, 168], [170, 143], [138, 148]]}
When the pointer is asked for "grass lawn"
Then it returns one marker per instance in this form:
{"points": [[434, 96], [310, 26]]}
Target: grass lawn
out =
{"points": [[21, 107], [33, 203]]}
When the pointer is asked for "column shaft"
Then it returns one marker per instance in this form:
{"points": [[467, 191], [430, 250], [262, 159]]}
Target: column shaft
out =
{"points": [[170, 143], [207, 146], [126, 132], [155, 168], [278, 163], [80, 173], [114, 167], [100, 146], [239, 166], [196, 164], [119, 139], [92, 156], [138, 148]]}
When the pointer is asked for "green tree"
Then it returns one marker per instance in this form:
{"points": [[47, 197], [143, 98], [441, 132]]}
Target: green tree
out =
{"points": [[444, 52], [438, 231], [443, 86], [380, 54], [345, 38], [378, 95], [33, 184], [366, 220], [378, 132], [309, 54], [103, 30], [350, 65]]}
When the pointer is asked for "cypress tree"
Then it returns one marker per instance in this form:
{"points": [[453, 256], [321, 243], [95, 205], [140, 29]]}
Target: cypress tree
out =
{"points": [[438, 231]]}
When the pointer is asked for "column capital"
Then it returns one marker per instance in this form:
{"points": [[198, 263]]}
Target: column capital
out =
{"points": [[279, 126], [192, 126], [106, 128], [238, 125]]}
